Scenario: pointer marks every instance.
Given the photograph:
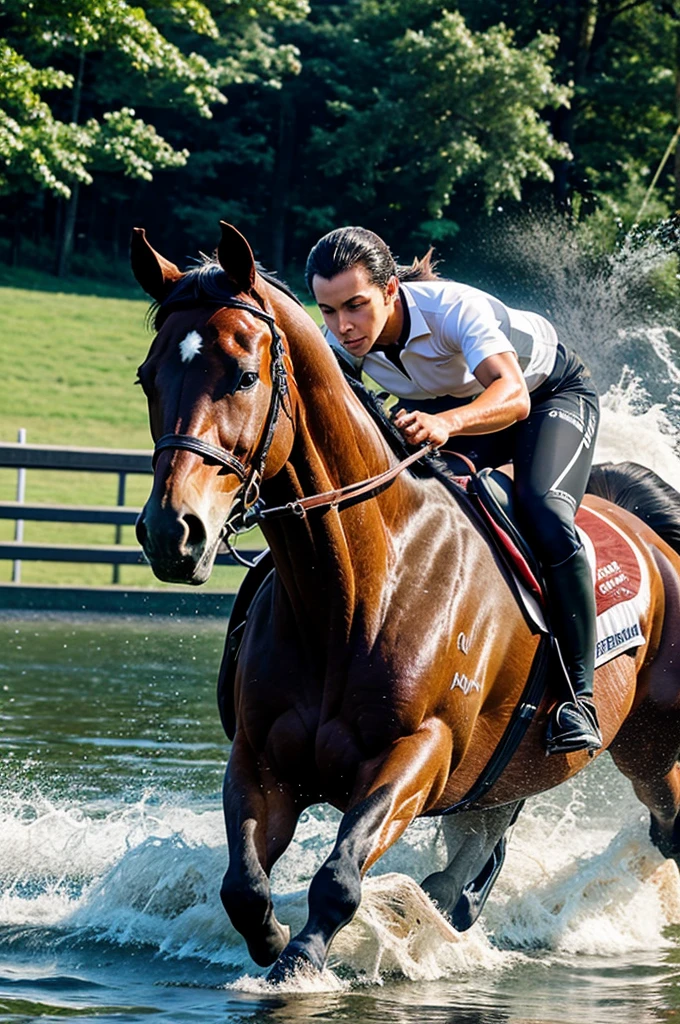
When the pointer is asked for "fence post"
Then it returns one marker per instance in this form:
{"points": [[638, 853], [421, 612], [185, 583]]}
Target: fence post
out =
{"points": [[122, 478], [21, 497]]}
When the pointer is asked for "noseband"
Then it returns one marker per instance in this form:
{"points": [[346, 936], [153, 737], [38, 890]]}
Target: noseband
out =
{"points": [[250, 478]]}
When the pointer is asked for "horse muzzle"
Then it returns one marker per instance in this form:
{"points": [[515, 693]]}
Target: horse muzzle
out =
{"points": [[178, 544]]}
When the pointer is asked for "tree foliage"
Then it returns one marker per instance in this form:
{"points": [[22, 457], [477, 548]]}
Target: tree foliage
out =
{"points": [[101, 52], [35, 147], [289, 117], [450, 105]]}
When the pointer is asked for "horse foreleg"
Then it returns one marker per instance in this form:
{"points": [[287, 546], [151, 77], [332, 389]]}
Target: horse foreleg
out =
{"points": [[472, 839], [390, 792], [260, 816]]}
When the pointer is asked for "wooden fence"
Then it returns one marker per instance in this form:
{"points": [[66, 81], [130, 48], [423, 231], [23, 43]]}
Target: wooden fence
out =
{"points": [[26, 457]]}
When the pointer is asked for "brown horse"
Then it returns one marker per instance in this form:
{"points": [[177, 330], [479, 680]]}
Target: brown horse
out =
{"points": [[343, 688]]}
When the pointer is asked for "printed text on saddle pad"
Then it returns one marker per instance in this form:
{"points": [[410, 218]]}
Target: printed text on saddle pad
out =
{"points": [[619, 580]]}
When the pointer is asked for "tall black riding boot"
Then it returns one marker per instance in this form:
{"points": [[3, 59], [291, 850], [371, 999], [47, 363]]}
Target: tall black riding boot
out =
{"points": [[573, 723]]}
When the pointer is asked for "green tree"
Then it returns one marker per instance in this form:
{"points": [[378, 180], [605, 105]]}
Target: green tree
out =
{"points": [[34, 145], [621, 59], [100, 52], [397, 107], [423, 105]]}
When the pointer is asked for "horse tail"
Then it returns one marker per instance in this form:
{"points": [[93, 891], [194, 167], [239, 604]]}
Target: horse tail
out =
{"points": [[639, 490]]}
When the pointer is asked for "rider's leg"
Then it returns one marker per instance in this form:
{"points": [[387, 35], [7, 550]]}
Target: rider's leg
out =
{"points": [[553, 457], [573, 725]]}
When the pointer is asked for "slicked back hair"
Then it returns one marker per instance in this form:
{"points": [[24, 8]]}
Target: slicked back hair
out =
{"points": [[345, 248]]}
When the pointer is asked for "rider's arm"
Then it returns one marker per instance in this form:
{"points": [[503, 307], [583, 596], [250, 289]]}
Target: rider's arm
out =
{"points": [[504, 401]]}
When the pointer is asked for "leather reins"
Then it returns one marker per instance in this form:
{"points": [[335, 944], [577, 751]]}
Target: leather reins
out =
{"points": [[342, 497]]}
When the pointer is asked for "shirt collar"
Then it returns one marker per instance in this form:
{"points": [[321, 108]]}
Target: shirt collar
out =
{"points": [[418, 324]]}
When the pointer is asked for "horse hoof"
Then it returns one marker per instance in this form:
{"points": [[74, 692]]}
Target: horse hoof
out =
{"points": [[292, 961], [266, 951], [667, 843]]}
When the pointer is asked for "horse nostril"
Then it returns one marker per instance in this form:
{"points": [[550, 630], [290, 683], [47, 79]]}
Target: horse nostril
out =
{"points": [[195, 532]]}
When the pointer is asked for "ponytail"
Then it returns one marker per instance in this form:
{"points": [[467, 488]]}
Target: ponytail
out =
{"points": [[421, 269]]}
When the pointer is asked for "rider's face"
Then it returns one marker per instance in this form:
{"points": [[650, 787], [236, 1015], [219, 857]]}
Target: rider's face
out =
{"points": [[355, 310]]}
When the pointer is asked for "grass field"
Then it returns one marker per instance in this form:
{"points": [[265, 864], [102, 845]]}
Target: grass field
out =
{"points": [[69, 361]]}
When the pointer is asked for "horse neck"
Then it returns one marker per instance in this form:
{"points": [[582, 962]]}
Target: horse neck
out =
{"points": [[332, 564]]}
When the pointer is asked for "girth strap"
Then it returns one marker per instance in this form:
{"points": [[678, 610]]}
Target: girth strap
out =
{"points": [[515, 730]]}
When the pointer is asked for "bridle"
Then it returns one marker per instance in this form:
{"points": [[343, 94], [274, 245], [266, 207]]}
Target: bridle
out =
{"points": [[251, 478], [248, 511]]}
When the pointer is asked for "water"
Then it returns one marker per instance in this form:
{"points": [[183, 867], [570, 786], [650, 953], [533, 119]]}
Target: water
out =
{"points": [[113, 851], [113, 845]]}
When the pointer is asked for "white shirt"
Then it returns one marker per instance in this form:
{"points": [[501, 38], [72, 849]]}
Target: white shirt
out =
{"points": [[453, 328]]}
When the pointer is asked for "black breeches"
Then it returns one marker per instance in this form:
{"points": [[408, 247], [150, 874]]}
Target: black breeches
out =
{"points": [[552, 457]]}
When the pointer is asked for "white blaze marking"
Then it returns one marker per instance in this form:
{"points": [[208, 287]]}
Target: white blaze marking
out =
{"points": [[190, 346]]}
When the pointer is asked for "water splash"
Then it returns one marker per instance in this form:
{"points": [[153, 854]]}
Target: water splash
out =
{"points": [[615, 308], [613, 894], [581, 876], [634, 427], [618, 310]]}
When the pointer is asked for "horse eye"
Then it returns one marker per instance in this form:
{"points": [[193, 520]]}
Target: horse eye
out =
{"points": [[248, 380]]}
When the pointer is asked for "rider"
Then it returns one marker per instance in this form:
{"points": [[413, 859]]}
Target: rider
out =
{"points": [[463, 363]]}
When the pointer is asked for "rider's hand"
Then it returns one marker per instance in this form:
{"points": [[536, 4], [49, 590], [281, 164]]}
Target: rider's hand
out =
{"points": [[418, 427]]}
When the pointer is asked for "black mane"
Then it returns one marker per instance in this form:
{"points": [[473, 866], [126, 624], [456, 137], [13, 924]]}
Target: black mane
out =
{"points": [[206, 284]]}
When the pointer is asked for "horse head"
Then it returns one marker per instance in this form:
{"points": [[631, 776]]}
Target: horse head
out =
{"points": [[216, 386]]}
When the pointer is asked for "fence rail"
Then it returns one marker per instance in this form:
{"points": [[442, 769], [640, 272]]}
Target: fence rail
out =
{"points": [[22, 457], [92, 460], [112, 515]]}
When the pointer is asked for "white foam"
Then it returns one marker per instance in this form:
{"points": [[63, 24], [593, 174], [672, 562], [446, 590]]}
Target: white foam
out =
{"points": [[581, 876], [633, 428], [305, 980], [600, 892]]}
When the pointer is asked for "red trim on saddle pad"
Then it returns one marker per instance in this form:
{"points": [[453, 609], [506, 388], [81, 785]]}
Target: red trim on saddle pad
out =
{"points": [[616, 570], [618, 576]]}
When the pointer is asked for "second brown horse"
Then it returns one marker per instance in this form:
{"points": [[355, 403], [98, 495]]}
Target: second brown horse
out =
{"points": [[343, 685]]}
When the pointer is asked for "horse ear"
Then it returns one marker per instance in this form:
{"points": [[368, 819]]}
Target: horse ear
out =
{"points": [[154, 273], [236, 258]]}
